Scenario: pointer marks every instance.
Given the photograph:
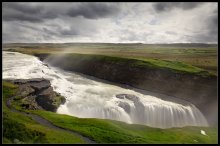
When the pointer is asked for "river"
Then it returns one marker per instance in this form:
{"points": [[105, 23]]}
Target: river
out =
{"points": [[92, 98]]}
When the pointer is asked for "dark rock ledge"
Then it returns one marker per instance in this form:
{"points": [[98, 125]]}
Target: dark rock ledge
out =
{"points": [[37, 93]]}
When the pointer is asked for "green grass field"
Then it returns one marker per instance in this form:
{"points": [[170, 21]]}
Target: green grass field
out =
{"points": [[17, 126], [107, 131]]}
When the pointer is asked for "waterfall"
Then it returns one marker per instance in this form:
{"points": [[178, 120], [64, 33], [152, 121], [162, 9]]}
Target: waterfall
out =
{"points": [[88, 98]]}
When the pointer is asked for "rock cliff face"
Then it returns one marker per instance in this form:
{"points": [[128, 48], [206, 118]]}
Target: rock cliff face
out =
{"points": [[38, 94], [201, 91]]}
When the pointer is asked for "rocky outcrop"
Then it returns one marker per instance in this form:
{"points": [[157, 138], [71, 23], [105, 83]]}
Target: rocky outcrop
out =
{"points": [[38, 94]]}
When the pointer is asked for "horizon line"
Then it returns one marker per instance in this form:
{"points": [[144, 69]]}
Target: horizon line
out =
{"points": [[103, 43]]}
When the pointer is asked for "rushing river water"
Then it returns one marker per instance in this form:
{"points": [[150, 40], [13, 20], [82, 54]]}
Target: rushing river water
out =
{"points": [[89, 98]]}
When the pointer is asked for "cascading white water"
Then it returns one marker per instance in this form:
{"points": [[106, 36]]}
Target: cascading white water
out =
{"points": [[89, 98]]}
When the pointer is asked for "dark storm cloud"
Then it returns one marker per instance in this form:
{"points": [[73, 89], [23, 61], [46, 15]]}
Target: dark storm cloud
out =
{"points": [[40, 12], [212, 29], [24, 8], [213, 22], [160, 7], [94, 11], [17, 16], [25, 12]]}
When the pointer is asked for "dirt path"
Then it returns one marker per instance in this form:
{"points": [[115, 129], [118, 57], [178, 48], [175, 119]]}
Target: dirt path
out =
{"points": [[45, 122]]}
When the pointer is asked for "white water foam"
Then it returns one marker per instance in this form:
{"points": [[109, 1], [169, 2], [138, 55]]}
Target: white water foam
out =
{"points": [[88, 98]]}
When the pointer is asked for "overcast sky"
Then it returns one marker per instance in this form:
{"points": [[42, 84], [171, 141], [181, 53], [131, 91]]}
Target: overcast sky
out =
{"points": [[110, 22]]}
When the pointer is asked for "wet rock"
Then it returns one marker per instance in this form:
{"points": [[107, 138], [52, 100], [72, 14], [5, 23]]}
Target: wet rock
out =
{"points": [[128, 96], [40, 85], [25, 90], [49, 100], [120, 96], [132, 97], [38, 94], [125, 106]]}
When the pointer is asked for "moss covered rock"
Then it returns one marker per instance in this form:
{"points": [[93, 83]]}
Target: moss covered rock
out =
{"points": [[38, 94]]}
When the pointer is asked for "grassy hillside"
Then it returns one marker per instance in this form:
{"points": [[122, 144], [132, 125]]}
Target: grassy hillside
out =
{"points": [[107, 131], [173, 66], [17, 126]]}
